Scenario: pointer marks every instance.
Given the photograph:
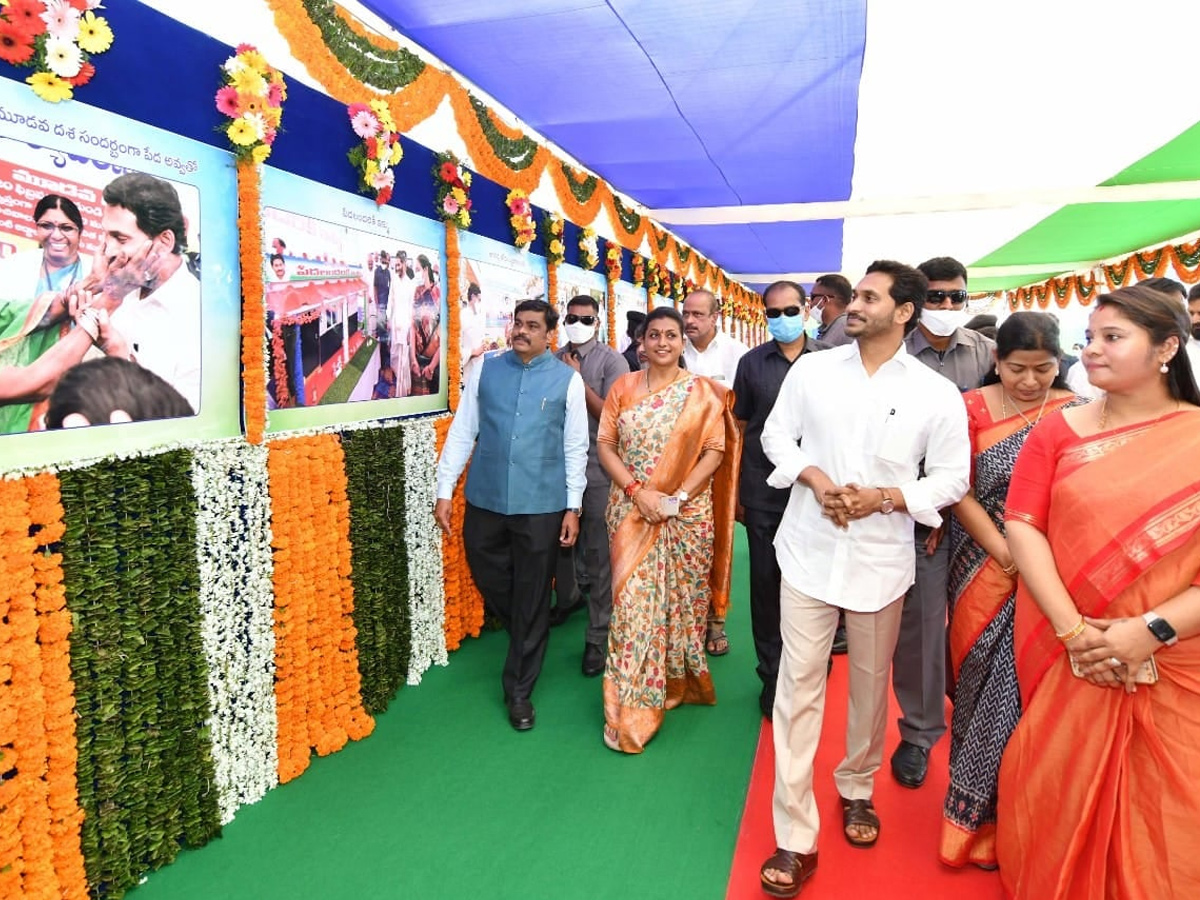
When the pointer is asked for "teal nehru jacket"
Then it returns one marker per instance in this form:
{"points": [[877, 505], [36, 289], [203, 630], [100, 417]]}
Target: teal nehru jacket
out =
{"points": [[519, 465]]}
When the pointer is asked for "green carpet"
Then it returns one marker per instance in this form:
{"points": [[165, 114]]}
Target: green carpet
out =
{"points": [[446, 801], [343, 386]]}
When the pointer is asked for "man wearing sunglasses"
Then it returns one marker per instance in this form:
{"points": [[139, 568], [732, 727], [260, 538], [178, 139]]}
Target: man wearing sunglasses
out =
{"points": [[600, 366], [760, 375], [942, 342]]}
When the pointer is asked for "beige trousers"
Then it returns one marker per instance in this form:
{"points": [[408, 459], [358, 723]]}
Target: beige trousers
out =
{"points": [[807, 626]]}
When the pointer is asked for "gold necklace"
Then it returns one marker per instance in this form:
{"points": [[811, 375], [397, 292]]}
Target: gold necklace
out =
{"points": [[674, 378], [1004, 407], [1103, 425]]}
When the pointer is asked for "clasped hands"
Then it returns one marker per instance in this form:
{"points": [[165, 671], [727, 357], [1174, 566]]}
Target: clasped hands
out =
{"points": [[1109, 652], [843, 504]]}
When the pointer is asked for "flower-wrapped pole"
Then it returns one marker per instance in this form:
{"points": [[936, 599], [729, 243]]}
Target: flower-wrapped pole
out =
{"points": [[612, 272], [453, 184], [254, 311], [252, 97], [379, 150], [454, 309]]}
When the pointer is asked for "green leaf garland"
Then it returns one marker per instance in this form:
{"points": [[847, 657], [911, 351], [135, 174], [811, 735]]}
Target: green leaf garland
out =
{"points": [[581, 191], [145, 774], [628, 219], [387, 70], [517, 153], [375, 485]]}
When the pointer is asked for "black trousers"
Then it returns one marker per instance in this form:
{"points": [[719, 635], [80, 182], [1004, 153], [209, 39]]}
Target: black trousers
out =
{"points": [[761, 526], [512, 560]]}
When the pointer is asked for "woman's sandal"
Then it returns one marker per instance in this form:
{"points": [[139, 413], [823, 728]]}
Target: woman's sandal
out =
{"points": [[717, 643], [859, 813], [798, 866]]}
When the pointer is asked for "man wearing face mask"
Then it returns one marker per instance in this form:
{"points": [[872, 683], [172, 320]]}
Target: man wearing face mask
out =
{"points": [[830, 297], [759, 377], [942, 342], [600, 366]]}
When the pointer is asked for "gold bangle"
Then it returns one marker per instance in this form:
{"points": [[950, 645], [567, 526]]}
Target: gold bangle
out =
{"points": [[1073, 632]]}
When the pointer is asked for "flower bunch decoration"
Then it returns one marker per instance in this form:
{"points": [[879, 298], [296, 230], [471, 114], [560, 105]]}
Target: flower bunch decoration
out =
{"points": [[612, 261], [57, 38], [589, 254], [639, 270], [379, 151], [520, 217], [252, 96], [653, 285], [556, 250], [453, 183]]}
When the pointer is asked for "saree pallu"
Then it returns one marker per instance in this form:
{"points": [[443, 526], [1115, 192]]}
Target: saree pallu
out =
{"points": [[1100, 789], [665, 574], [426, 344], [987, 701]]}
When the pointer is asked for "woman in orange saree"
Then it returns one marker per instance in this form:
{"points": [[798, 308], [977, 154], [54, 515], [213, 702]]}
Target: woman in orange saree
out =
{"points": [[1099, 792], [669, 442], [1026, 386]]}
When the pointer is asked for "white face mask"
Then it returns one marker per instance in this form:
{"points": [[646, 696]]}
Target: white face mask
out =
{"points": [[943, 322], [578, 333]]}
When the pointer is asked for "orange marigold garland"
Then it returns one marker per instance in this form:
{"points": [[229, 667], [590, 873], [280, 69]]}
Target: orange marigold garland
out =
{"points": [[464, 603], [612, 272], [316, 661], [254, 311], [40, 854]]}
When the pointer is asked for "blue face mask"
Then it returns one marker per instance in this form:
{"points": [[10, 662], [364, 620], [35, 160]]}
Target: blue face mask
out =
{"points": [[786, 329]]}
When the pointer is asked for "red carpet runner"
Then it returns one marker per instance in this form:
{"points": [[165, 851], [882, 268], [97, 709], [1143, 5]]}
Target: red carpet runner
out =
{"points": [[902, 864]]}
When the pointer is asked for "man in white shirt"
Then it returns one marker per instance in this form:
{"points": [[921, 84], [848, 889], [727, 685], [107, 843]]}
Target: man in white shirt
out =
{"points": [[159, 324], [472, 331], [852, 458], [399, 319], [524, 414], [708, 350]]}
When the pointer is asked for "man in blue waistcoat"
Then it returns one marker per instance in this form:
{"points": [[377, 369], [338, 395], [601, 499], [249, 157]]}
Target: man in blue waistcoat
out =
{"points": [[524, 414]]}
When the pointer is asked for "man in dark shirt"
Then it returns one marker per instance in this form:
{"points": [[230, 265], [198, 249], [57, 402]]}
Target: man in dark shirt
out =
{"points": [[636, 320], [760, 374]]}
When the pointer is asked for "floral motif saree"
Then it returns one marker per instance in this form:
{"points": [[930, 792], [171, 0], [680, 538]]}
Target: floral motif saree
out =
{"points": [[1100, 789], [665, 574]]}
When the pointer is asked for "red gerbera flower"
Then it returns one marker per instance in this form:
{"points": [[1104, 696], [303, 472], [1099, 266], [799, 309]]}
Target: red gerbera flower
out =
{"points": [[86, 71], [27, 14], [16, 46], [449, 172]]}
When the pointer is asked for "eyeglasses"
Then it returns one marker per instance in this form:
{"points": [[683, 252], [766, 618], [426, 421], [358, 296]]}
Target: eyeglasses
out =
{"points": [[788, 311], [571, 319], [953, 296], [66, 230]]}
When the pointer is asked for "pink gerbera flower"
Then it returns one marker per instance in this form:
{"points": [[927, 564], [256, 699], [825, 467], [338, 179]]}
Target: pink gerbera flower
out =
{"points": [[365, 124], [227, 102], [275, 93], [450, 205], [62, 20]]}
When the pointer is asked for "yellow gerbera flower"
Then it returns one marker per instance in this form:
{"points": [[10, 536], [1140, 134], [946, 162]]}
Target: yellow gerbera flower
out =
{"points": [[94, 34], [459, 194], [247, 81], [50, 87], [465, 218], [255, 61], [241, 132], [260, 153], [397, 153]]}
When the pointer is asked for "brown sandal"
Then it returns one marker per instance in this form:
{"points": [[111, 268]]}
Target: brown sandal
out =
{"points": [[799, 866], [717, 643], [860, 813]]}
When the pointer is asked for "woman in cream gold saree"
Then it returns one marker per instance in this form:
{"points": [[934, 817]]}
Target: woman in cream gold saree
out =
{"points": [[670, 444], [1099, 794]]}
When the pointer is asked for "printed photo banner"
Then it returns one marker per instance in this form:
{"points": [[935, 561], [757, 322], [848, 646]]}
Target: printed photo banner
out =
{"points": [[572, 281], [355, 312], [165, 322], [493, 279]]}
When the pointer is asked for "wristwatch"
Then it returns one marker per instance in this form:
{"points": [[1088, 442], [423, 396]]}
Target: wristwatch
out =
{"points": [[1161, 628], [887, 506], [683, 496], [577, 510]]}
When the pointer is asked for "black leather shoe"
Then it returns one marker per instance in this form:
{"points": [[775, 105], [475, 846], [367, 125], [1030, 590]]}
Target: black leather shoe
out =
{"points": [[839, 641], [561, 613], [909, 764], [593, 660], [520, 714]]}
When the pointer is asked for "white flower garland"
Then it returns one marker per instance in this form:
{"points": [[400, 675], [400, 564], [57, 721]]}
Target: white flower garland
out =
{"points": [[426, 587], [233, 545]]}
